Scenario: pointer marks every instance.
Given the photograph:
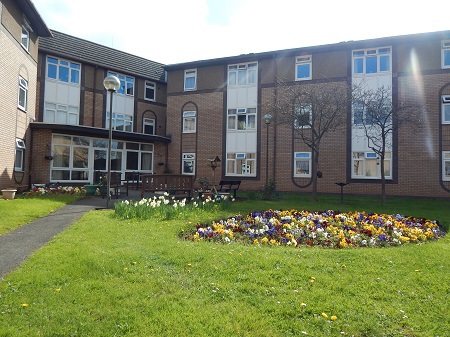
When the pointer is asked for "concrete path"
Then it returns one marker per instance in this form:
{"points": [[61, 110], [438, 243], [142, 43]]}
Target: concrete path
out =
{"points": [[18, 245]]}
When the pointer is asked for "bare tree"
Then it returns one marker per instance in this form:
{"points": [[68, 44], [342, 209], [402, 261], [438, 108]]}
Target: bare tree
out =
{"points": [[374, 110], [313, 110]]}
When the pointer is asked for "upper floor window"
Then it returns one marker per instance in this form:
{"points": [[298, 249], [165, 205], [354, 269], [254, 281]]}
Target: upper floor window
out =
{"points": [[63, 70], [446, 109], [302, 115], [445, 54], [20, 155], [242, 119], [242, 74], [189, 121], [150, 91], [23, 93], [126, 84], [120, 122], [25, 38], [149, 126], [446, 165], [188, 165], [190, 79], [303, 65], [60, 114], [302, 164], [372, 61]]}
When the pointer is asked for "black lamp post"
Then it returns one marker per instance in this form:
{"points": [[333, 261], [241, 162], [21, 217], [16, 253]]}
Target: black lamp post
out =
{"points": [[267, 120], [112, 84]]}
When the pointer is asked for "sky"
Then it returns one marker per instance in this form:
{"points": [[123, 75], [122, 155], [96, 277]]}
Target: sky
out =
{"points": [[178, 31]]}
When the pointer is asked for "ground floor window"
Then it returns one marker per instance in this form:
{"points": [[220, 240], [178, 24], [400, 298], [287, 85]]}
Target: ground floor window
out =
{"points": [[19, 159], [188, 163], [446, 165], [75, 159], [241, 164], [366, 165], [302, 164]]}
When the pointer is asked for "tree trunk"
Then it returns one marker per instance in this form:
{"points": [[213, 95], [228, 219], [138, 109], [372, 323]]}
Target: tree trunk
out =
{"points": [[315, 166], [383, 180]]}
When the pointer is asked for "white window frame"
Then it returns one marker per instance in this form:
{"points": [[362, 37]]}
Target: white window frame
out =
{"points": [[127, 84], [189, 121], [445, 106], [150, 86], [61, 114], [73, 69], [304, 61], [150, 122], [190, 74], [364, 55], [370, 156], [445, 54], [243, 74], [241, 119], [19, 160], [25, 38], [120, 122], [247, 161], [446, 165], [188, 160], [302, 157], [301, 109], [22, 96]]}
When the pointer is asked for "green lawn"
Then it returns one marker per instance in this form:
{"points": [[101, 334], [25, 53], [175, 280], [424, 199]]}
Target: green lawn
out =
{"points": [[22, 210], [111, 277]]}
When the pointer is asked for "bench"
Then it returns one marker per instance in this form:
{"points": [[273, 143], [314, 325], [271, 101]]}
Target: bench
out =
{"points": [[177, 185], [229, 185]]}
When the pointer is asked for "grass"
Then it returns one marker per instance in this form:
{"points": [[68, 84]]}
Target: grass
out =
{"points": [[111, 277], [22, 210]]}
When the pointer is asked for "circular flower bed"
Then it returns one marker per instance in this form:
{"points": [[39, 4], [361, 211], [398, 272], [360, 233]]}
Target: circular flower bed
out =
{"points": [[328, 229]]}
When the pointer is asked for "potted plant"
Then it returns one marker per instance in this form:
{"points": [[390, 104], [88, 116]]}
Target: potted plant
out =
{"points": [[9, 193]]}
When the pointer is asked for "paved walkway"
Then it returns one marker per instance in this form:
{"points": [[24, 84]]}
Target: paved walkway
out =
{"points": [[18, 245]]}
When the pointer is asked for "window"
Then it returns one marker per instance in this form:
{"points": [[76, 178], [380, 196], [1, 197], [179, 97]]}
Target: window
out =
{"points": [[372, 112], [120, 122], [242, 119], [25, 38], [63, 70], [189, 122], [190, 79], [446, 109], [139, 157], [23, 94], [61, 114], [188, 164], [302, 115], [372, 61], [242, 74], [446, 165], [445, 54], [302, 164], [70, 158], [367, 165], [126, 84], [241, 164], [149, 126], [150, 90], [20, 155], [303, 65]]}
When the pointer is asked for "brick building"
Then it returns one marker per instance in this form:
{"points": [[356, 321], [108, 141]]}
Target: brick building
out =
{"points": [[175, 118], [216, 107], [20, 29], [71, 130]]}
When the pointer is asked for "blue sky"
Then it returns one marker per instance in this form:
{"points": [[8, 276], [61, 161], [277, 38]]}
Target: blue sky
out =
{"points": [[176, 31]]}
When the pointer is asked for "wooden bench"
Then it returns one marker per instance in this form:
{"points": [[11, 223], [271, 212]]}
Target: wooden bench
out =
{"points": [[177, 185], [229, 185]]}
